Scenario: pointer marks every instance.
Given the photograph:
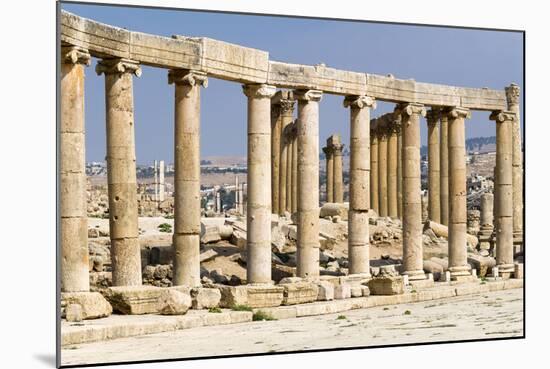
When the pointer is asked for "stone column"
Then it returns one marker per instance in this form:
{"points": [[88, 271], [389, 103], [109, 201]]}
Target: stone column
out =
{"points": [[156, 180], [283, 177], [162, 186], [276, 132], [397, 122], [382, 166], [504, 187], [338, 180], [74, 218], [434, 175], [512, 97], [458, 264], [330, 172], [412, 206], [392, 168], [308, 183], [258, 266], [486, 221], [444, 171], [374, 166], [121, 170], [294, 166], [289, 169], [187, 212], [359, 197]]}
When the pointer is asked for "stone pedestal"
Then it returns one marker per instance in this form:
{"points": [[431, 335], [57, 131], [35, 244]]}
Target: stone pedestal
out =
{"points": [[382, 131], [121, 170], [187, 206], [74, 221], [444, 170], [258, 218], [434, 176], [308, 183], [504, 188], [458, 265], [412, 207], [374, 166], [358, 232]]}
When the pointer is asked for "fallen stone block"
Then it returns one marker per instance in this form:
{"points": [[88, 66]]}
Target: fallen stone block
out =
{"points": [[232, 295], [365, 291], [93, 304], [74, 313], [207, 255], [264, 296], [433, 268], [173, 302], [387, 285], [299, 293], [441, 230], [356, 291], [518, 271], [134, 300], [342, 291], [205, 298], [325, 291], [483, 264], [331, 209], [209, 233], [238, 238]]}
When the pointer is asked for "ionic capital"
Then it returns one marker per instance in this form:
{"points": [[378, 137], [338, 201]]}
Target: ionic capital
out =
{"points": [[118, 66], [360, 102], [75, 55], [512, 94], [410, 109], [458, 112], [259, 91], [187, 77], [500, 116], [433, 115], [308, 95]]}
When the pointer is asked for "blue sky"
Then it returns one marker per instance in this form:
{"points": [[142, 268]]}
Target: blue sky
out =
{"points": [[461, 57]]}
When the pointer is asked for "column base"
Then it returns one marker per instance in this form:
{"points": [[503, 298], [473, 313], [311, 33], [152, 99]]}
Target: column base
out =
{"points": [[505, 271], [461, 273], [92, 305], [415, 275]]}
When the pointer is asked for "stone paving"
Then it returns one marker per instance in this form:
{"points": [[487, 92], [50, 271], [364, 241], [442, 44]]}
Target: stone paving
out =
{"points": [[482, 316]]}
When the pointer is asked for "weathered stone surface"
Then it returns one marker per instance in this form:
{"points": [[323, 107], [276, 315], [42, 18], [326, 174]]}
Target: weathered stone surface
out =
{"points": [[483, 264], [208, 255], [356, 291], [518, 270], [386, 285], [173, 302], [134, 300], [342, 291], [365, 291], [264, 296], [326, 291], [93, 304], [299, 293], [74, 313], [331, 209], [233, 295], [205, 298]]}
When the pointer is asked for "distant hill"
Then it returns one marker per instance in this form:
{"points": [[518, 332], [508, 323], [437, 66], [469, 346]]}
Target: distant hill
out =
{"points": [[474, 144]]}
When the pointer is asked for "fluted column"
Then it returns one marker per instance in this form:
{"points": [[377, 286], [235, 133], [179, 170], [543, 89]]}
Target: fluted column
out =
{"points": [[392, 168], [382, 131], [359, 197], [258, 208], [121, 170], [374, 166], [294, 167], [458, 265], [412, 206], [504, 187], [74, 219], [308, 183], [330, 173], [434, 175], [444, 170], [187, 212], [512, 97]]}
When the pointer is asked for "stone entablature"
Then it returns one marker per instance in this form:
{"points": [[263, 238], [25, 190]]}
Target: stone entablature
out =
{"points": [[246, 65]]}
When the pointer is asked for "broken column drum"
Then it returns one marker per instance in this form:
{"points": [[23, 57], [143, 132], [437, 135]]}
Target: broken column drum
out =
{"points": [[121, 170]]}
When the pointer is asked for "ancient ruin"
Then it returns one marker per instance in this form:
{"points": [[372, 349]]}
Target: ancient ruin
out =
{"points": [[282, 209]]}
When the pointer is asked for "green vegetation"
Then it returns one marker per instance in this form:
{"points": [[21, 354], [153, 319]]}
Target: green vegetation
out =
{"points": [[262, 315], [241, 308], [215, 310], [341, 317], [407, 312], [165, 227]]}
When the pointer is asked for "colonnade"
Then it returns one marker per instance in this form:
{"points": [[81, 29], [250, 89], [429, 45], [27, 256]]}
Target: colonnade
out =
{"points": [[334, 169], [283, 175]]}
